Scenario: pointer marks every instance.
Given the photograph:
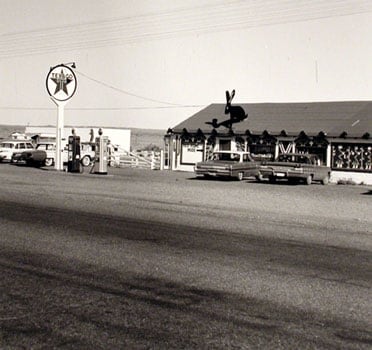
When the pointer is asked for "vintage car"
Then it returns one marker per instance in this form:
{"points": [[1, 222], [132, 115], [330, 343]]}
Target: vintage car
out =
{"points": [[11, 147], [295, 167], [87, 153], [228, 164], [43, 154]]}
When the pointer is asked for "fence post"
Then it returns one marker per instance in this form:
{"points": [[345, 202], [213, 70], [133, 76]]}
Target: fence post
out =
{"points": [[161, 159], [152, 161]]}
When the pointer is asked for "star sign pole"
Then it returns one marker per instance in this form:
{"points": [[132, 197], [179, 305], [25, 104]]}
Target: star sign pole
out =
{"points": [[61, 86]]}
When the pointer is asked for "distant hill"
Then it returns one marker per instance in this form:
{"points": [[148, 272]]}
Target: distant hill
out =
{"points": [[140, 138], [6, 130]]}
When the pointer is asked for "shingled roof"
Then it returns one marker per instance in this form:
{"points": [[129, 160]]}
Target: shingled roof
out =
{"points": [[332, 118]]}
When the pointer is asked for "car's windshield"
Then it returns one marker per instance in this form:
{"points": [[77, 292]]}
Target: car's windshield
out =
{"points": [[230, 157]]}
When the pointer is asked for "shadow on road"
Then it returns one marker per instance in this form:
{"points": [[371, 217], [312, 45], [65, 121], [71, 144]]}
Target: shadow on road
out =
{"points": [[72, 304], [369, 192]]}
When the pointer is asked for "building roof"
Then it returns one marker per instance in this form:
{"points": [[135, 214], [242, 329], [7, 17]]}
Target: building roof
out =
{"points": [[332, 118]]}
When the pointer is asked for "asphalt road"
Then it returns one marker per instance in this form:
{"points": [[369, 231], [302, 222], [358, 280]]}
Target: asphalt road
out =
{"points": [[141, 259]]}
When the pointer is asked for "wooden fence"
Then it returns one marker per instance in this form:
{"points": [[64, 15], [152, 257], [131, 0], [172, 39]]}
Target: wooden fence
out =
{"points": [[140, 159]]}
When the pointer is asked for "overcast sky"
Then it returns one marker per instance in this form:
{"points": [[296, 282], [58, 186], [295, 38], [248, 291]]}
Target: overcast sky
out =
{"points": [[153, 63]]}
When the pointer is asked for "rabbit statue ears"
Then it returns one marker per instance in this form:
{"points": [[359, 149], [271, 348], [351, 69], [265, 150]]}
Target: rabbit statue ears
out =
{"points": [[229, 97]]}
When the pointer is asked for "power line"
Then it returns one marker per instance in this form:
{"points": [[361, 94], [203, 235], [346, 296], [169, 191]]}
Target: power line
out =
{"points": [[105, 36], [109, 86], [186, 21], [126, 92], [98, 108]]}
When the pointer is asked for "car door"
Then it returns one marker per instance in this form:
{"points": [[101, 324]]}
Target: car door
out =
{"points": [[17, 148], [305, 163], [249, 165]]}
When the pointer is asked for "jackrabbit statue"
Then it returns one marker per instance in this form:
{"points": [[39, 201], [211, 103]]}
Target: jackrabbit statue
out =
{"points": [[237, 113]]}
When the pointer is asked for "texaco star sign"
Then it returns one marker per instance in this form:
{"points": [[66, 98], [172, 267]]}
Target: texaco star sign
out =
{"points": [[61, 83]]}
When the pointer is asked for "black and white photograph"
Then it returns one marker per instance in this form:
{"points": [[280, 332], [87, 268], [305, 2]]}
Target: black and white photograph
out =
{"points": [[185, 174]]}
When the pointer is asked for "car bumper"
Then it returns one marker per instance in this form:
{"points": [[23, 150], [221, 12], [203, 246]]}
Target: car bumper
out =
{"points": [[293, 174], [17, 157], [5, 156], [213, 173]]}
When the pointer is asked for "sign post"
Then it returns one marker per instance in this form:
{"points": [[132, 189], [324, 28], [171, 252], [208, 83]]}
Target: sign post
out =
{"points": [[61, 86]]}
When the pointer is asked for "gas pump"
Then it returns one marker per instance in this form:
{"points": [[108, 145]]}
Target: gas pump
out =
{"points": [[73, 162], [101, 156]]}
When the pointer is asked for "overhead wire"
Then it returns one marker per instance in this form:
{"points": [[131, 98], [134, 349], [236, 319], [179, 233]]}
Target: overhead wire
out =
{"points": [[94, 43], [206, 19], [174, 23], [85, 30], [99, 108], [138, 16], [103, 36], [110, 86], [124, 91], [116, 21]]}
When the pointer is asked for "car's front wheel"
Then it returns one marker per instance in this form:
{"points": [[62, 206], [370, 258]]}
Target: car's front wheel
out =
{"points": [[325, 180], [85, 161], [240, 176], [49, 162], [259, 177], [309, 180]]}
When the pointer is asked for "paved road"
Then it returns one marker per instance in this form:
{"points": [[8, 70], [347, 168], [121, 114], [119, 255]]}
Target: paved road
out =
{"points": [[146, 259]]}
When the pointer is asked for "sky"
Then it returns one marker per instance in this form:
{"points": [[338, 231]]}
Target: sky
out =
{"points": [[154, 63]]}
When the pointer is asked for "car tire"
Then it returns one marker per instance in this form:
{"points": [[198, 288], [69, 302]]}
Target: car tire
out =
{"points": [[325, 180], [272, 179], [49, 162], [259, 178], [85, 161], [309, 180], [240, 176]]}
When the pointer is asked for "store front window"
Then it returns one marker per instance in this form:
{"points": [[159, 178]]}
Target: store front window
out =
{"points": [[353, 157], [192, 152]]}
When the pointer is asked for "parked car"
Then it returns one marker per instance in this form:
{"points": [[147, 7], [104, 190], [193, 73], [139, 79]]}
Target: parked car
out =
{"points": [[87, 153], [9, 148], [43, 154], [228, 164], [50, 152], [295, 167]]}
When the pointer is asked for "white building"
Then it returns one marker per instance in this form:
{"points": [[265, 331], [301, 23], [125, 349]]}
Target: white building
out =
{"points": [[120, 137], [16, 135]]}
